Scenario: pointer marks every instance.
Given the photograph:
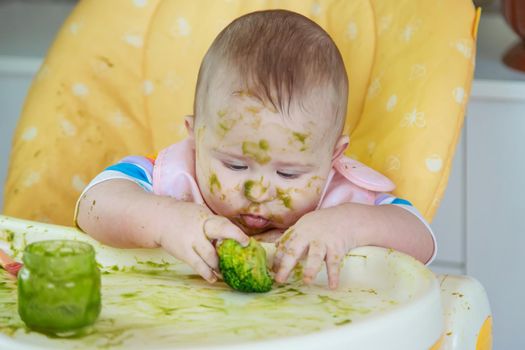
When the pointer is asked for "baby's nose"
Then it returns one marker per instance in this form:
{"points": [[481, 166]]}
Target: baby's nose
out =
{"points": [[256, 191]]}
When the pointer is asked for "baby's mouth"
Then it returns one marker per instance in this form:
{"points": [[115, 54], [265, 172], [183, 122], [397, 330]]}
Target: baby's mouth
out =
{"points": [[254, 221]]}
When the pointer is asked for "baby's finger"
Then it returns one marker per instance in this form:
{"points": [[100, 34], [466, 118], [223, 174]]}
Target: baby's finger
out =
{"points": [[207, 252], [199, 266], [289, 259], [277, 257], [280, 251], [314, 262], [218, 227], [333, 265], [286, 238]]}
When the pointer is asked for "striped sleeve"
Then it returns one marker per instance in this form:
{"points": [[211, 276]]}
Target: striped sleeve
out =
{"points": [[134, 168], [385, 199]]}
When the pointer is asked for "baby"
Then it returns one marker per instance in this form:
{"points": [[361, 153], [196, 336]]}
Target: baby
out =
{"points": [[264, 156]]}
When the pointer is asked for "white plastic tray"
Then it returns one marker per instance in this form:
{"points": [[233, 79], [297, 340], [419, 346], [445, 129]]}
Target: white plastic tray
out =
{"points": [[152, 301]]}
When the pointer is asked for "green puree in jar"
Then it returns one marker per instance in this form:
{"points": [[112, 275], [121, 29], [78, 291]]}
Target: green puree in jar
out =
{"points": [[59, 287]]}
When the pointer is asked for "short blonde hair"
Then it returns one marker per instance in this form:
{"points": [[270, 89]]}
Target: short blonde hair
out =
{"points": [[280, 56]]}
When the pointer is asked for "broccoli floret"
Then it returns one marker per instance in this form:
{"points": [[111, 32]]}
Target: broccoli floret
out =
{"points": [[244, 268]]}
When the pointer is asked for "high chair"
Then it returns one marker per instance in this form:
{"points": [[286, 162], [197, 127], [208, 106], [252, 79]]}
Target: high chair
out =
{"points": [[121, 75]]}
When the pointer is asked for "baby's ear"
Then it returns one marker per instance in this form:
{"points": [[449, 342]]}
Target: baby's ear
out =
{"points": [[340, 146], [189, 122]]}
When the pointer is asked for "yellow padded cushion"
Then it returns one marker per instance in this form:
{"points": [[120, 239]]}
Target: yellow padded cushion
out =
{"points": [[121, 75]]}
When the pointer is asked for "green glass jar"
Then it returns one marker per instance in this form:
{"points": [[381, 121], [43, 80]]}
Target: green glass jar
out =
{"points": [[59, 287]]}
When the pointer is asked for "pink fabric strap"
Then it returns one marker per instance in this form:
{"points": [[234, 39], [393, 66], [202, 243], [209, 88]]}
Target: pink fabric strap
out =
{"points": [[363, 176], [174, 173]]}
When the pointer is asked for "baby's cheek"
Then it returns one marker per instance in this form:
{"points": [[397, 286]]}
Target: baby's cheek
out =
{"points": [[218, 202], [311, 190], [227, 201], [306, 199], [293, 202]]}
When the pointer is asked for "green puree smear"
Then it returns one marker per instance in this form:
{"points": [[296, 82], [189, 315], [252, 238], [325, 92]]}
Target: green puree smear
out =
{"points": [[284, 197], [176, 309], [254, 189], [301, 138], [215, 184], [258, 151]]}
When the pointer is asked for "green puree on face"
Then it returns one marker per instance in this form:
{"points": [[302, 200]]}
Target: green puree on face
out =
{"points": [[254, 189], [59, 286], [214, 183], [284, 197], [257, 151]]}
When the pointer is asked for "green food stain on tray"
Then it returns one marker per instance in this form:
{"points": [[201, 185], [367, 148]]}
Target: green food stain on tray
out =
{"points": [[170, 308]]}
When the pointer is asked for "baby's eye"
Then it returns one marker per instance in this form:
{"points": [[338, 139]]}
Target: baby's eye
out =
{"points": [[235, 167], [288, 175]]}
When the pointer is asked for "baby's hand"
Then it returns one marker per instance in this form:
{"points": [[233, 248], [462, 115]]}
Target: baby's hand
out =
{"points": [[319, 236], [188, 233]]}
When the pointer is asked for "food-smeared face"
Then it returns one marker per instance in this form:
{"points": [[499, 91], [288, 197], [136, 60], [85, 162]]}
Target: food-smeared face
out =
{"points": [[257, 167]]}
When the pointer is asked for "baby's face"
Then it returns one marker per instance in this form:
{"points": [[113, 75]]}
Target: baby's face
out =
{"points": [[258, 168]]}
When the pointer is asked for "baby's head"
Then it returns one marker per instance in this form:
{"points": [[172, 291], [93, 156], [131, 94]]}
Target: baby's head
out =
{"points": [[270, 107]]}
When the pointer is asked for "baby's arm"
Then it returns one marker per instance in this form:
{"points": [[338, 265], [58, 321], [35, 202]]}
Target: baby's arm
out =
{"points": [[401, 230], [328, 234], [121, 213]]}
